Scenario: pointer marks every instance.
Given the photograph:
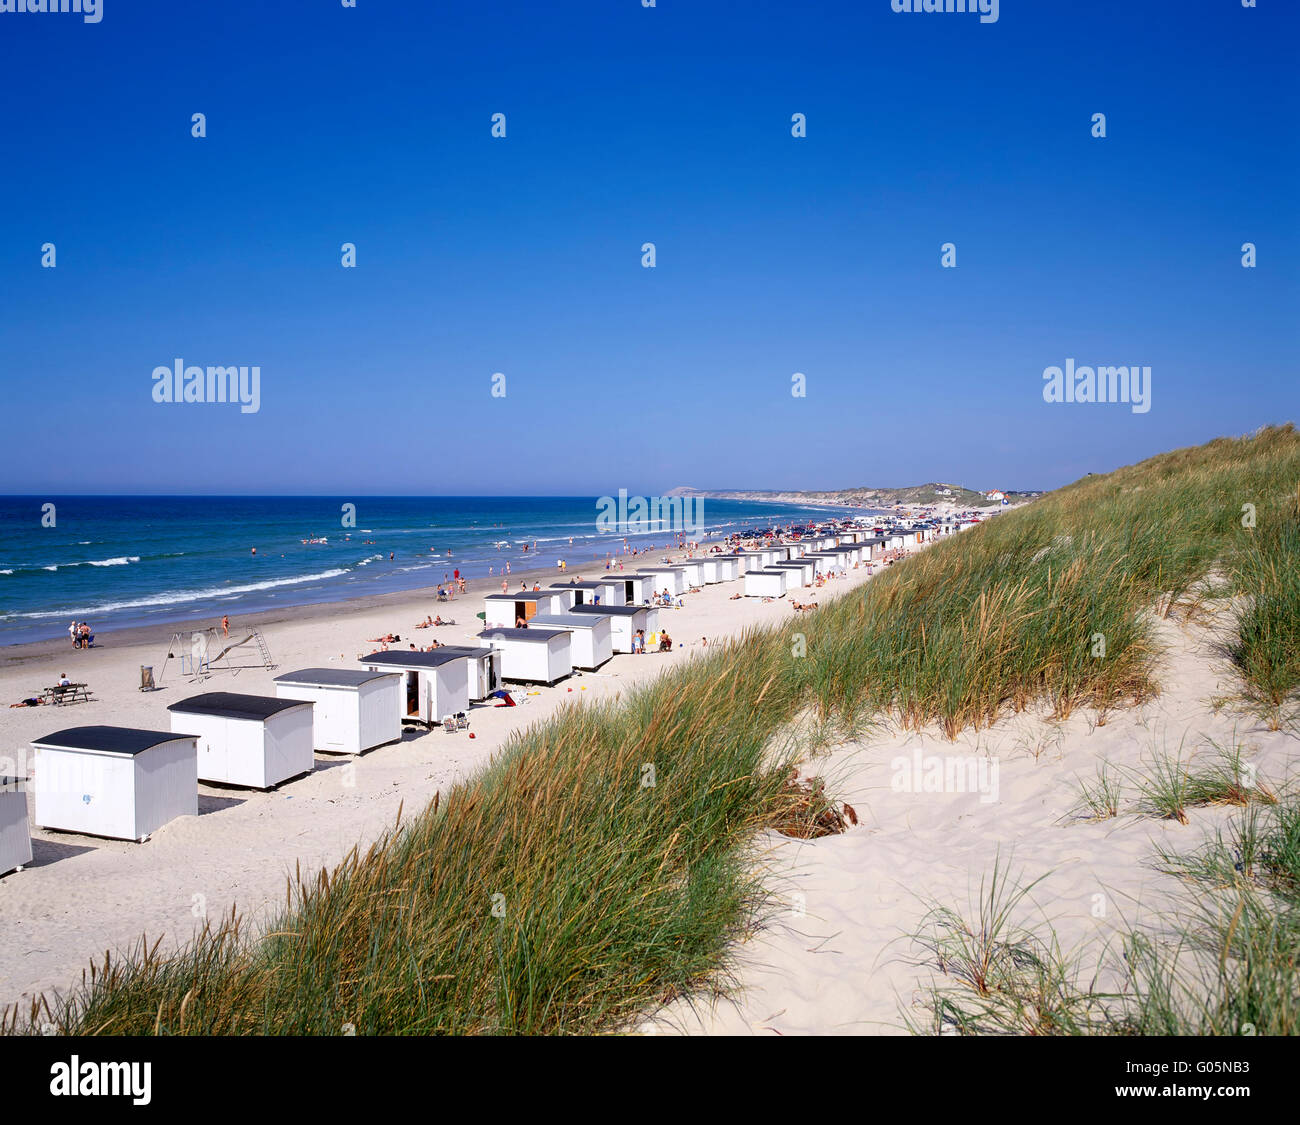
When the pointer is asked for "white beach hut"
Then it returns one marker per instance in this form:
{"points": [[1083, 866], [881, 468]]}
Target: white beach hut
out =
{"points": [[592, 639], [637, 588], [765, 583], [802, 572], [694, 571], [115, 781], [505, 609], [610, 591], [352, 710], [435, 684], [532, 655], [482, 668], [624, 621], [15, 839], [256, 741], [718, 569], [670, 578]]}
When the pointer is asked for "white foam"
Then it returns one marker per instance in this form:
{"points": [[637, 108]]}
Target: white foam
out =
{"points": [[179, 597]]}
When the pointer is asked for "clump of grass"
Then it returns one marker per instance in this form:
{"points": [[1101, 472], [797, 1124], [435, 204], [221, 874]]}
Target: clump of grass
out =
{"points": [[1100, 799], [1234, 967], [1166, 789], [998, 977], [1228, 780]]}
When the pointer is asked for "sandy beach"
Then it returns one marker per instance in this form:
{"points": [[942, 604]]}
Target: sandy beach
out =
{"points": [[82, 895], [835, 957]]}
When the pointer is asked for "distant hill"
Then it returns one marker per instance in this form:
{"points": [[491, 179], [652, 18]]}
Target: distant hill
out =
{"points": [[915, 495]]}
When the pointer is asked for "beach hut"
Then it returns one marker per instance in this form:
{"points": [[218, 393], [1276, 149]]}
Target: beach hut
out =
{"points": [[670, 578], [15, 840], [532, 655], [719, 570], [352, 710], [435, 684], [765, 583], [505, 609], [592, 639], [694, 571], [637, 588], [482, 669], [624, 621], [802, 572], [115, 781], [256, 741], [610, 591]]}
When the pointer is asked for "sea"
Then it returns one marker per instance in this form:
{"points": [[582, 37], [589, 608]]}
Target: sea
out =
{"points": [[126, 561]]}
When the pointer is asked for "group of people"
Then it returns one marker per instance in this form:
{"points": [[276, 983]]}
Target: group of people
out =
{"points": [[81, 635], [638, 641]]}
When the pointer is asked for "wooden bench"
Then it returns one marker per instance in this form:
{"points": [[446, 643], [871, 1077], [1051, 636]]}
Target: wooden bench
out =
{"points": [[60, 694]]}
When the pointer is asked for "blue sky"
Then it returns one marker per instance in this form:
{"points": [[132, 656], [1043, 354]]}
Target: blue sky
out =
{"points": [[672, 125]]}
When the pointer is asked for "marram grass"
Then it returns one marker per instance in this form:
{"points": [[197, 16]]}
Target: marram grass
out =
{"points": [[561, 892]]}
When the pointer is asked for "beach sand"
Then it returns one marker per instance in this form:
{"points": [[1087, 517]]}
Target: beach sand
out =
{"points": [[82, 895], [834, 957]]}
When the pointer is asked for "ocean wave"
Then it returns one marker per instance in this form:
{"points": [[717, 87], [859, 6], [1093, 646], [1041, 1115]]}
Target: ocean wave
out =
{"points": [[121, 560], [179, 597]]}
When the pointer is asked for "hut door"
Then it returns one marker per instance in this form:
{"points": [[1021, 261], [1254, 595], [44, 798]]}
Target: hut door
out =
{"points": [[413, 694]]}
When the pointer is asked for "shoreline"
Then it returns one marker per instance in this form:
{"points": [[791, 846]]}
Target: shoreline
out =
{"points": [[137, 636], [81, 895]]}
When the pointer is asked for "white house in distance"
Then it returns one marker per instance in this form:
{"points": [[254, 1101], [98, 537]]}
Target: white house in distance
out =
{"points": [[256, 741], [533, 655], [624, 621], [435, 684], [15, 840], [592, 641], [352, 710], [119, 782], [996, 495]]}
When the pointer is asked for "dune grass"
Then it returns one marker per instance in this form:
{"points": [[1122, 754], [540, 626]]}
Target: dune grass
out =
{"points": [[1266, 647], [1225, 960], [558, 891]]}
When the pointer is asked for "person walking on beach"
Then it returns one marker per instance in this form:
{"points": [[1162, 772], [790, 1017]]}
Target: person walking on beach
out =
{"points": [[225, 626], [72, 632], [505, 586]]}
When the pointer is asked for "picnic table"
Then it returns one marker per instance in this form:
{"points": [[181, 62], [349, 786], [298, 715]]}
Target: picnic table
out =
{"points": [[60, 694]]}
